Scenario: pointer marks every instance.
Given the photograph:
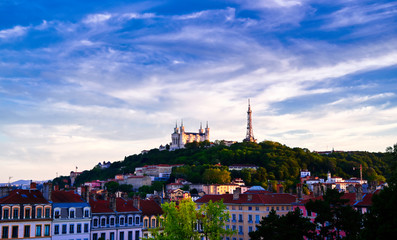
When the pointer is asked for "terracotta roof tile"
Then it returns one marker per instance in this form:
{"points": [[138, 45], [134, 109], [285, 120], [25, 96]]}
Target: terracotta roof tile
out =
{"points": [[150, 207], [275, 198], [24, 197], [65, 197]]}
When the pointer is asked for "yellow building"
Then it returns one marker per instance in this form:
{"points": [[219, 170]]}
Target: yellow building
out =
{"points": [[151, 211], [247, 209]]}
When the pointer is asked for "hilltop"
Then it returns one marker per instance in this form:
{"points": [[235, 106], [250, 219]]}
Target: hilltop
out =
{"points": [[277, 162]]}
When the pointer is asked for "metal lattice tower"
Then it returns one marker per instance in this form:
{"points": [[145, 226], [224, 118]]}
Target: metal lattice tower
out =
{"points": [[250, 133]]}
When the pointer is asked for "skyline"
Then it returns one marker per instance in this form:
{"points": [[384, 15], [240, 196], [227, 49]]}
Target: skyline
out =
{"points": [[82, 83]]}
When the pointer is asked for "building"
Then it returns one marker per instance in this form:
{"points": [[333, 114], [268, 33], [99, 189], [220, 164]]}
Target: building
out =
{"points": [[160, 172], [239, 167], [222, 188], [25, 214], [136, 181], [247, 209], [115, 218], [71, 216], [151, 212], [179, 137]]}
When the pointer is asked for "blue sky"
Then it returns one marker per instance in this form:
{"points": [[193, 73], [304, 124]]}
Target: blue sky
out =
{"points": [[83, 81]]}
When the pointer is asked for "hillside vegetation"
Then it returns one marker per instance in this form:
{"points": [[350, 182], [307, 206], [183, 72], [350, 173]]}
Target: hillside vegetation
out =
{"points": [[277, 162]]}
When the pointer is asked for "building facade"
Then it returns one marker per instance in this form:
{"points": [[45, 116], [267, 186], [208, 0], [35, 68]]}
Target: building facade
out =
{"points": [[246, 210], [25, 214], [71, 216], [179, 137], [151, 213], [116, 219]]}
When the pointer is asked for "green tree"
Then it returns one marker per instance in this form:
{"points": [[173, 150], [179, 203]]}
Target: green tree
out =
{"points": [[212, 216], [216, 175], [112, 187], [180, 222], [288, 227]]}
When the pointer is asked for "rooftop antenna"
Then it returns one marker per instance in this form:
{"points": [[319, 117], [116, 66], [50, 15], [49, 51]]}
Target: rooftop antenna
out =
{"points": [[9, 181]]}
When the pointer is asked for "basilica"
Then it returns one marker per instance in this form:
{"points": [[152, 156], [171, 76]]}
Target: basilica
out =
{"points": [[180, 137]]}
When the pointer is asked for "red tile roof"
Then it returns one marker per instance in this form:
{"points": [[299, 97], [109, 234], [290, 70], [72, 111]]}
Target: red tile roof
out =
{"points": [[275, 198], [20, 196], [65, 197], [150, 207], [103, 206]]}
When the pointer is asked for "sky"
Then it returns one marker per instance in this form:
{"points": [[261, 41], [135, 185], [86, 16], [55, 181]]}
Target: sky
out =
{"points": [[83, 82]]}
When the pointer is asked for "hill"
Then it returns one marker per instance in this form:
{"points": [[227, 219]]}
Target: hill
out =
{"points": [[277, 162]]}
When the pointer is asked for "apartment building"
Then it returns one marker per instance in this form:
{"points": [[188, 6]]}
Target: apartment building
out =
{"points": [[25, 214], [247, 209]]}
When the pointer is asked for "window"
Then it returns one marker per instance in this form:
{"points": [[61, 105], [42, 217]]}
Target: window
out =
{"points": [[153, 223], [47, 212], [257, 208], [16, 213], [121, 221], [103, 235], [137, 221], [112, 236], [277, 208], [38, 230], [234, 227], [240, 230], [57, 213], [56, 229], [39, 212], [145, 223], [282, 208], [129, 235], [71, 213], [240, 208], [250, 229], [250, 218], [233, 217], [46, 230], [26, 231], [14, 232], [86, 226], [249, 208], [121, 236], [64, 228], [136, 234], [4, 233], [95, 222], [112, 221], [86, 213], [27, 213], [240, 217], [6, 213], [267, 209], [130, 219], [256, 218], [288, 208], [95, 236], [78, 230], [71, 228], [103, 222]]}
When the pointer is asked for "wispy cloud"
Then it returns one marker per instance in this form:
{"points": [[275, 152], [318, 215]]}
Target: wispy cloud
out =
{"points": [[14, 32]]}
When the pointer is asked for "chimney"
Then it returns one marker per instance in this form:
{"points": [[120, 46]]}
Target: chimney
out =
{"points": [[47, 190], [112, 202], [359, 192], [136, 202], [236, 194], [33, 186], [299, 190]]}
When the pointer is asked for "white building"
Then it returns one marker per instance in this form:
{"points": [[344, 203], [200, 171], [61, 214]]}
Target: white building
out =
{"points": [[25, 214], [179, 137], [116, 219], [72, 216]]}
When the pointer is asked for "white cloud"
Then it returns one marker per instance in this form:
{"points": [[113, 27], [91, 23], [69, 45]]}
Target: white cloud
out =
{"points": [[16, 31], [97, 18]]}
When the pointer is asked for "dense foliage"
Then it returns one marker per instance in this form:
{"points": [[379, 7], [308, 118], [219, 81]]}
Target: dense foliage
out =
{"points": [[277, 162]]}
